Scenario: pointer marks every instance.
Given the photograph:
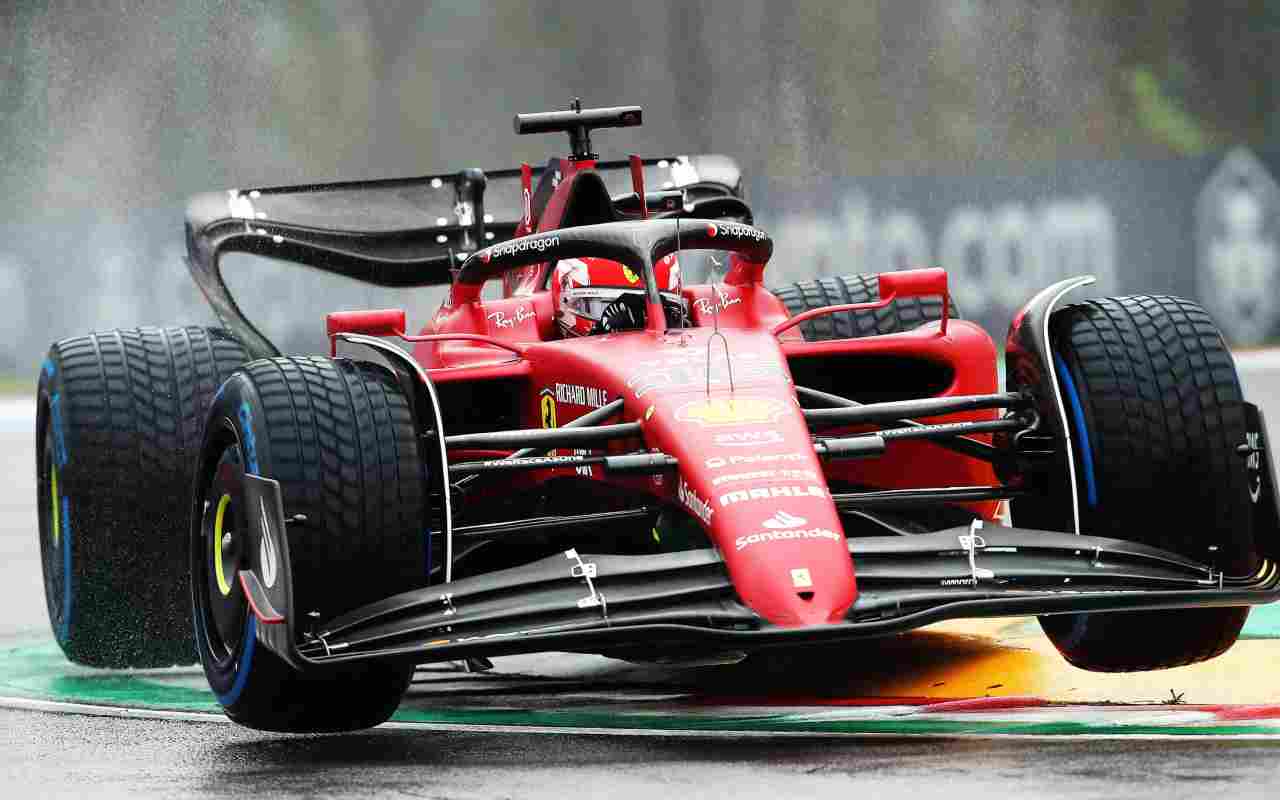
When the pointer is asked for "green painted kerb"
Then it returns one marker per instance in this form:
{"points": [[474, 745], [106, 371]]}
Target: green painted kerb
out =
{"points": [[37, 670], [788, 723], [1263, 623]]}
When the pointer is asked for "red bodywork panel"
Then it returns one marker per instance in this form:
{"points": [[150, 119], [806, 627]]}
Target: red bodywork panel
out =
{"points": [[722, 403]]}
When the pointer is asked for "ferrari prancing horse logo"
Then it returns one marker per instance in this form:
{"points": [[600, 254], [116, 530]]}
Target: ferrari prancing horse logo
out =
{"points": [[548, 409]]}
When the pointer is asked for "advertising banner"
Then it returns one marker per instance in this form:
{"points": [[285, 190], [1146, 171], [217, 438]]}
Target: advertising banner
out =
{"points": [[1206, 229]]}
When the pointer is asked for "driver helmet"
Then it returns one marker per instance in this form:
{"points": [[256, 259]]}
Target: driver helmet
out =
{"points": [[596, 295]]}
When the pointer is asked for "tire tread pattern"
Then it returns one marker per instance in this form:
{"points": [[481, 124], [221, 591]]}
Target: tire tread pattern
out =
{"points": [[901, 315], [1164, 408], [340, 438], [342, 444], [134, 402], [1159, 391]]}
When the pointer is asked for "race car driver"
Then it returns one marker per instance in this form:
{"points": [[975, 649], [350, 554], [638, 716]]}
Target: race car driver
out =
{"points": [[596, 295]]}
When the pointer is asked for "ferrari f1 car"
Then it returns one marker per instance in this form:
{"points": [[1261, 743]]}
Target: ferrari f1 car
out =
{"points": [[635, 450]]}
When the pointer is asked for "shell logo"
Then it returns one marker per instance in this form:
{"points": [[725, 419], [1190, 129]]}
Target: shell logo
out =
{"points": [[629, 275], [731, 411]]}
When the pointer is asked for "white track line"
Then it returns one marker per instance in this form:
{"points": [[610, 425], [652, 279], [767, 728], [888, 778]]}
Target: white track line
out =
{"points": [[84, 709], [1258, 360], [18, 414], [87, 710], [18, 406]]}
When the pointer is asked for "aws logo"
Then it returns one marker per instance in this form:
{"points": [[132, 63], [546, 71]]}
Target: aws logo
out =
{"points": [[748, 438]]}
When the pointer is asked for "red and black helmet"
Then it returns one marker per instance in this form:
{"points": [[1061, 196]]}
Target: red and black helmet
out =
{"points": [[596, 295]]}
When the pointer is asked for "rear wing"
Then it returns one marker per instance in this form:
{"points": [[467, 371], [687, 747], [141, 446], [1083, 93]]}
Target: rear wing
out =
{"points": [[410, 232]]}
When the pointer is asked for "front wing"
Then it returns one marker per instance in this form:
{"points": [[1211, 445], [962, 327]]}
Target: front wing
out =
{"points": [[684, 602]]}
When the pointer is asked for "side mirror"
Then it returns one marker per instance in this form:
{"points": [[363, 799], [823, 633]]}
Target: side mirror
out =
{"points": [[380, 322], [918, 283]]}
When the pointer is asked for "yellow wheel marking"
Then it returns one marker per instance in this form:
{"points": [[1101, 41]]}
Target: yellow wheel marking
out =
{"points": [[223, 586], [57, 523]]}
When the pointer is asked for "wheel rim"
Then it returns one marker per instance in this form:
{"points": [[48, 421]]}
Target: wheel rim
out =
{"points": [[219, 544], [54, 530], [221, 602]]}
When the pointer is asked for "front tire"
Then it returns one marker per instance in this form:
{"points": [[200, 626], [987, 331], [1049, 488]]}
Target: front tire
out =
{"points": [[340, 438], [119, 422], [1156, 413]]}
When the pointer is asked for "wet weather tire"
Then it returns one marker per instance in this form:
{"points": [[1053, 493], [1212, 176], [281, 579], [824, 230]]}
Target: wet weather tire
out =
{"points": [[340, 439], [1157, 413], [118, 429], [901, 315]]}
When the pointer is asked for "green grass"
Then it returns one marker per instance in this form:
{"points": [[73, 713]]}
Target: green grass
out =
{"points": [[1164, 118], [15, 384]]}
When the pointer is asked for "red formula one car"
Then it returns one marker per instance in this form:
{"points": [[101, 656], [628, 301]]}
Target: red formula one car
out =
{"points": [[636, 450]]}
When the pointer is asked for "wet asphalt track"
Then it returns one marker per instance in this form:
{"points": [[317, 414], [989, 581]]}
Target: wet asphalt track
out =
{"points": [[46, 754]]}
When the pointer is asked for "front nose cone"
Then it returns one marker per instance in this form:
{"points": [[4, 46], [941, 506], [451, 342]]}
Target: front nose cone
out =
{"points": [[793, 596]]}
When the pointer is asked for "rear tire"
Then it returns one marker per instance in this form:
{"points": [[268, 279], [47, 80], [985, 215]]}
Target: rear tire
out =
{"points": [[901, 315], [119, 421], [1156, 414], [340, 438]]}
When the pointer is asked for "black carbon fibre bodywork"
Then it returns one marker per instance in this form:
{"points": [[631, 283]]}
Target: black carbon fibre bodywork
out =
{"points": [[685, 601], [1029, 366], [397, 232]]}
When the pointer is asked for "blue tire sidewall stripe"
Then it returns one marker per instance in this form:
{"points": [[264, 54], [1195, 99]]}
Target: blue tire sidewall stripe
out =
{"points": [[1082, 430], [247, 441], [229, 697], [60, 451], [249, 438]]}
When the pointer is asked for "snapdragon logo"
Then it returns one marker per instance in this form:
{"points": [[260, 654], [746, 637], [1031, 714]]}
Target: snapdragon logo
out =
{"points": [[521, 245], [737, 230]]}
